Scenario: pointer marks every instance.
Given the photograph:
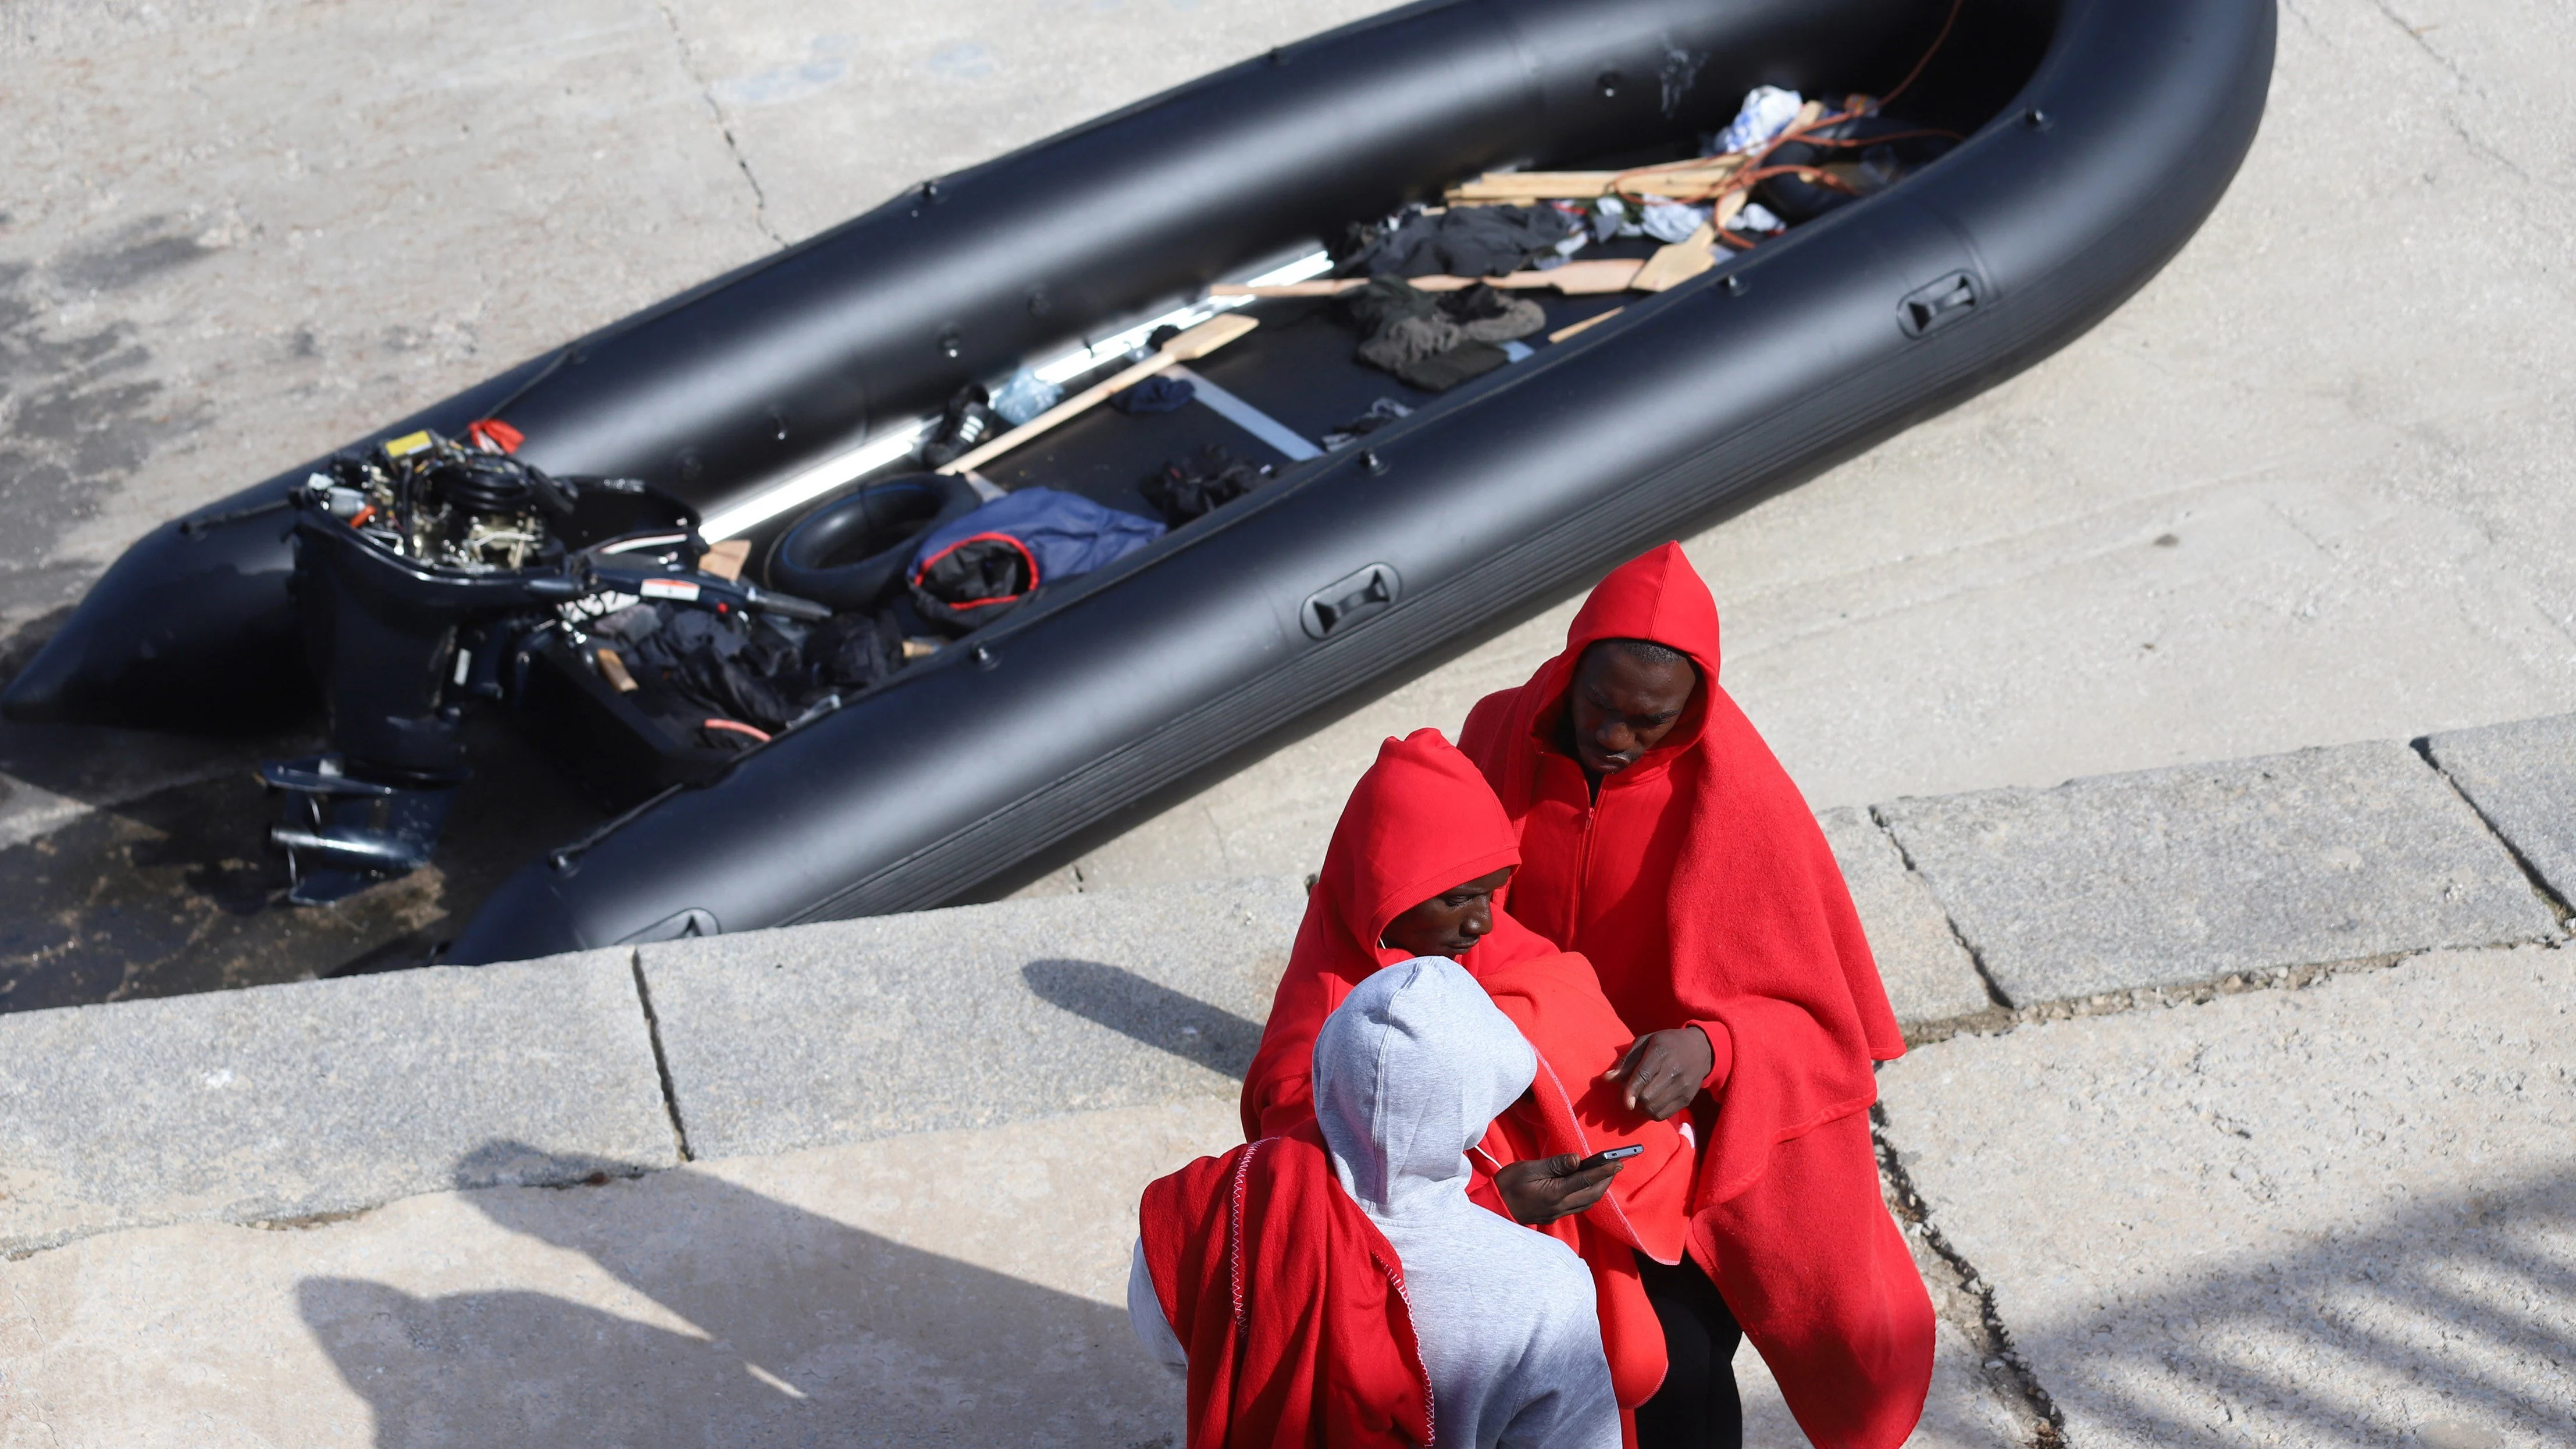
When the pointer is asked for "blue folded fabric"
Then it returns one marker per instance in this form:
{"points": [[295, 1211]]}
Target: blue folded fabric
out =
{"points": [[1156, 394]]}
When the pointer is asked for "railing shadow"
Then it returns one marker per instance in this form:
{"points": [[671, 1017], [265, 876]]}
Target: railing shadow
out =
{"points": [[2453, 1324], [747, 1321]]}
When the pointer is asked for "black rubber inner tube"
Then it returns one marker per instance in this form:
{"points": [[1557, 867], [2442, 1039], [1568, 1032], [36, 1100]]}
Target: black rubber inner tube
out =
{"points": [[851, 552]]}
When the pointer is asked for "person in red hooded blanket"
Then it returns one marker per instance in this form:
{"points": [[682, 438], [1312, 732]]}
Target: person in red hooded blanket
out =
{"points": [[1282, 1304], [1659, 838], [1416, 863]]}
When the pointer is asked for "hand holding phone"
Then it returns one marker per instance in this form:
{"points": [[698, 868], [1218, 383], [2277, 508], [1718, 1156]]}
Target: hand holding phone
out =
{"points": [[1611, 1154]]}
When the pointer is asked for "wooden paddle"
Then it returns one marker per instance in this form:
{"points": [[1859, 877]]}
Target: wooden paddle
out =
{"points": [[1190, 346], [1670, 266]]}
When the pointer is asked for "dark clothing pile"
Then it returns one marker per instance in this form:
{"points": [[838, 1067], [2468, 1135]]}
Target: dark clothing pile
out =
{"points": [[971, 571], [1464, 241], [1437, 341], [1200, 484], [762, 671]]}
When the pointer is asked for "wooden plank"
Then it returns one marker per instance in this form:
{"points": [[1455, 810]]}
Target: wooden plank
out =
{"points": [[613, 669], [1190, 346], [725, 560], [1581, 279], [1569, 185], [1562, 333], [1496, 187]]}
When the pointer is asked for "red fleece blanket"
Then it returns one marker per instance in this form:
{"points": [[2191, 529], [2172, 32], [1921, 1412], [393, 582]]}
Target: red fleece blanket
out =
{"points": [[1288, 1300], [1700, 888]]}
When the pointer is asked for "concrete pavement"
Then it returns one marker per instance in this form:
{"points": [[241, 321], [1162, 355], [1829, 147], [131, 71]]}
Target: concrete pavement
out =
{"points": [[874, 1179], [2339, 1215]]}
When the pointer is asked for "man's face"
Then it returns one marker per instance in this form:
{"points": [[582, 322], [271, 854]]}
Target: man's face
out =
{"points": [[1623, 706], [1450, 923]]}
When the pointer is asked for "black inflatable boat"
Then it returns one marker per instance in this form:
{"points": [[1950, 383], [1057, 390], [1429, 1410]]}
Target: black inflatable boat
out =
{"points": [[494, 546]]}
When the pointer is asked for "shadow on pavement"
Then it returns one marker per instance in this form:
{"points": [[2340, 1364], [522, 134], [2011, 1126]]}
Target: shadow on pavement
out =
{"points": [[2450, 1325], [1149, 1012], [735, 1319]]}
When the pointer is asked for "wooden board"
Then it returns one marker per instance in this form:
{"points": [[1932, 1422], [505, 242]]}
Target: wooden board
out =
{"points": [[1595, 320], [725, 560], [1526, 186], [1190, 346]]}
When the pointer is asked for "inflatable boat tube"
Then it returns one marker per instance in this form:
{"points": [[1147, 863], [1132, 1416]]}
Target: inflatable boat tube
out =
{"points": [[2096, 136]]}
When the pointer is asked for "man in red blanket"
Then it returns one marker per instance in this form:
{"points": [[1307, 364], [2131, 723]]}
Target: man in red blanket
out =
{"points": [[1415, 862], [1659, 838]]}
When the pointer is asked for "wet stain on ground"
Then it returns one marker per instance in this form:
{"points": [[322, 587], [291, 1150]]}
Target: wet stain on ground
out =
{"points": [[177, 892], [80, 409], [133, 253]]}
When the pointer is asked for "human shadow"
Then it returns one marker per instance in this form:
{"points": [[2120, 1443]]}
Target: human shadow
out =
{"points": [[734, 1319], [1148, 1012], [2449, 1324]]}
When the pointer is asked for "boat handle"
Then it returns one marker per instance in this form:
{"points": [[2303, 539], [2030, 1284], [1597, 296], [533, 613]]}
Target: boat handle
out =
{"points": [[1938, 305], [1372, 590]]}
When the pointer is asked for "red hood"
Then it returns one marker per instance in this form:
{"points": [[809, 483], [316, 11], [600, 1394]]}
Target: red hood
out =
{"points": [[1420, 821], [1655, 596], [1658, 597]]}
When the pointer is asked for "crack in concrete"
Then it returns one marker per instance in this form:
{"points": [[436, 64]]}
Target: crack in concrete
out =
{"points": [[2005, 1369], [724, 127], [2150, 998], [2423, 746], [661, 1062], [1976, 958], [2458, 127]]}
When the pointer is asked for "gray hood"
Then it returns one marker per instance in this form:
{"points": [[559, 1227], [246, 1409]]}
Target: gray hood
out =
{"points": [[1409, 1071]]}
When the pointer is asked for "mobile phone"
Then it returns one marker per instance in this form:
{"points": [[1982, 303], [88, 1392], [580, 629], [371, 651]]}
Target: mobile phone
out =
{"points": [[1614, 1154]]}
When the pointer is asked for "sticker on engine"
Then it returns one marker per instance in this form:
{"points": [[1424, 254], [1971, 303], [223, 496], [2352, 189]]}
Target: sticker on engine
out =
{"points": [[668, 589], [407, 444]]}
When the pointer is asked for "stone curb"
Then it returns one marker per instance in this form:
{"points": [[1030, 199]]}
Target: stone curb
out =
{"points": [[284, 1102], [974, 1016], [326, 1097], [2168, 877]]}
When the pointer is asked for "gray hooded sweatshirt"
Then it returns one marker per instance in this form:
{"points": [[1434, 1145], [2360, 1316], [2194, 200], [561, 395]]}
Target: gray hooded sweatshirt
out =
{"points": [[1409, 1070]]}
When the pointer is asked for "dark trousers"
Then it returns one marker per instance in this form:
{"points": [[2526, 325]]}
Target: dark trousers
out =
{"points": [[1697, 1407]]}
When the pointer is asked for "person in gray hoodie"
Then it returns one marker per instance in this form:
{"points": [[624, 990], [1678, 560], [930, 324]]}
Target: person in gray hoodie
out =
{"points": [[1409, 1070]]}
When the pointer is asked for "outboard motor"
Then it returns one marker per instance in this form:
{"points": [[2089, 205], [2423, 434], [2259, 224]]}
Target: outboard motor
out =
{"points": [[418, 566]]}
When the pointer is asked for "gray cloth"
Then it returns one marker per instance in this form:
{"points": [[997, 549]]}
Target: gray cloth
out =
{"points": [[1145, 1315], [1463, 241], [1409, 1071], [1486, 315], [1410, 339], [1154, 1331]]}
